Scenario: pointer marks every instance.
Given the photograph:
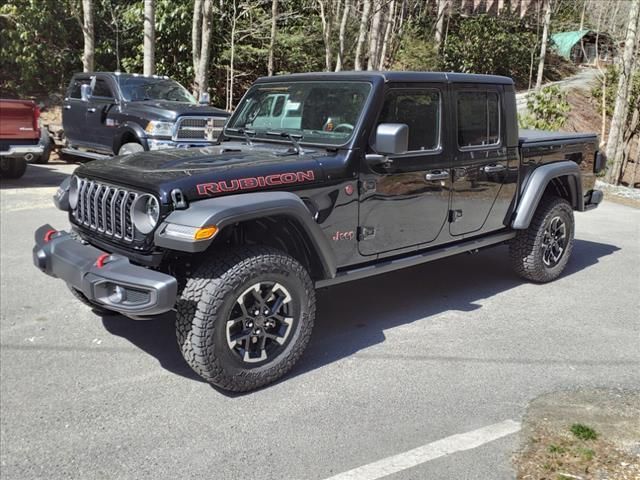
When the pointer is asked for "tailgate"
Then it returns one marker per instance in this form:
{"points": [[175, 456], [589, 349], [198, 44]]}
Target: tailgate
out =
{"points": [[18, 120]]}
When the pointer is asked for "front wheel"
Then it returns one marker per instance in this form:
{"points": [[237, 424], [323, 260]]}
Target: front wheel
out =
{"points": [[245, 317], [12, 168], [541, 252]]}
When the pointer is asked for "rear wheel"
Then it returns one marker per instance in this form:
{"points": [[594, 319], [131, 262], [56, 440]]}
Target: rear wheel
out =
{"points": [[541, 252], [12, 167], [245, 317]]}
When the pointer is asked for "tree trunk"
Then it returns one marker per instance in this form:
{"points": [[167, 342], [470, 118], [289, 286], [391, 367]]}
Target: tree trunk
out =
{"points": [[620, 111], [387, 35], [232, 57], [326, 16], [543, 46], [364, 22], [374, 36], [343, 29], [89, 39], [196, 40], [442, 5], [272, 41], [149, 67], [202, 76]]}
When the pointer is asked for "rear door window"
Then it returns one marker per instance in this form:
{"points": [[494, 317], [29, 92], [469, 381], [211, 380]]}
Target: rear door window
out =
{"points": [[478, 119]]}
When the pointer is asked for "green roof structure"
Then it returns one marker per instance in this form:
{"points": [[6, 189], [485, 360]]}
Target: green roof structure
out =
{"points": [[564, 41]]}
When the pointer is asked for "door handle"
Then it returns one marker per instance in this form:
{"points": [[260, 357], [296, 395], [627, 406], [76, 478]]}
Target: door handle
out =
{"points": [[91, 110], [437, 175], [67, 107], [494, 168]]}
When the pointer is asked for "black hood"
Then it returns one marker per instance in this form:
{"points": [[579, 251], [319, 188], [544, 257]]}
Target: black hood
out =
{"points": [[168, 111], [210, 171]]}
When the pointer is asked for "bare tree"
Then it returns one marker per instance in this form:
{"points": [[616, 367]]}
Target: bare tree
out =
{"points": [[374, 36], [89, 36], [620, 112], [341, 36], [327, 18], [196, 40], [543, 46], [272, 39], [149, 47], [202, 48], [362, 34], [442, 5], [387, 37]]}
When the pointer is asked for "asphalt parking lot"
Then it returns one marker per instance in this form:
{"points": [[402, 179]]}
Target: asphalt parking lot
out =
{"points": [[401, 371]]}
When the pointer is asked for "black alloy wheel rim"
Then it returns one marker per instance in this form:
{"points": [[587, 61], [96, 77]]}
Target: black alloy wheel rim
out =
{"points": [[554, 242], [260, 322]]}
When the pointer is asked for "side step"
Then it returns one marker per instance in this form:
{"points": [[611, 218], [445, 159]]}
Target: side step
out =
{"points": [[430, 255], [81, 153]]}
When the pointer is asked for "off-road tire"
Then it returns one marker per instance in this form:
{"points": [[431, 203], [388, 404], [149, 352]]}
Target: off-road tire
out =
{"points": [[526, 251], [208, 299], [12, 168], [44, 157]]}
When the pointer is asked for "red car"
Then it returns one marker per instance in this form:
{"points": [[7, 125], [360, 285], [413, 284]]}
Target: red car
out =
{"points": [[20, 137]]}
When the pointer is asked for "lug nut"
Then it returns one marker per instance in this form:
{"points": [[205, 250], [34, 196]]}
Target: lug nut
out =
{"points": [[258, 331], [249, 324], [266, 311], [256, 312]]}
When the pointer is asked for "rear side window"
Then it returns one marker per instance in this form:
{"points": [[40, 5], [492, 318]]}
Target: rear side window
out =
{"points": [[74, 89], [418, 109], [102, 89], [478, 119]]}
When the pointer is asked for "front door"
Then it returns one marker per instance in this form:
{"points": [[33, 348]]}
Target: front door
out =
{"points": [[405, 203], [481, 163], [98, 123]]}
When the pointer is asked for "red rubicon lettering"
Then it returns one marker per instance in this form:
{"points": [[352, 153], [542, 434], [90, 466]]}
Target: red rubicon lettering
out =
{"points": [[251, 183]]}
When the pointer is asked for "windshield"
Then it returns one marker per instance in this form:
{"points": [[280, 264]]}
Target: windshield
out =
{"points": [[136, 89], [314, 112]]}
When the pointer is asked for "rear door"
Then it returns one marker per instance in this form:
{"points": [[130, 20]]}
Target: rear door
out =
{"points": [[481, 162], [405, 203], [74, 113]]}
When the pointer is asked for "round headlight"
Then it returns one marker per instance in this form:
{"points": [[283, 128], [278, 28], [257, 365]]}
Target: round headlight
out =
{"points": [[74, 185], [145, 213]]}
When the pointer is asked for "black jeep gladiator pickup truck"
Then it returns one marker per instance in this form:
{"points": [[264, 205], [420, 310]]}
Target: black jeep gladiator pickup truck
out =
{"points": [[108, 113], [318, 179]]}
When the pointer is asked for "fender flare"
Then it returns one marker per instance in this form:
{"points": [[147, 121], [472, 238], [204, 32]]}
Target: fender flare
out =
{"points": [[225, 211], [536, 185], [129, 127]]}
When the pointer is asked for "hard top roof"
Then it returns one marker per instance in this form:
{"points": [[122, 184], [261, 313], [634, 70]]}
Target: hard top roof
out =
{"points": [[390, 76]]}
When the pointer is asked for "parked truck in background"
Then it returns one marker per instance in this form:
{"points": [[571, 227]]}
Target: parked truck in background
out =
{"points": [[112, 113], [21, 138], [319, 179]]}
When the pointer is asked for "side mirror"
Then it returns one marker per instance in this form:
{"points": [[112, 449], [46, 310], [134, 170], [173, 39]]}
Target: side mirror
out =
{"points": [[391, 139], [204, 98], [85, 92]]}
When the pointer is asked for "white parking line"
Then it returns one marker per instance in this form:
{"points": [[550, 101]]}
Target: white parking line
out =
{"points": [[430, 451]]}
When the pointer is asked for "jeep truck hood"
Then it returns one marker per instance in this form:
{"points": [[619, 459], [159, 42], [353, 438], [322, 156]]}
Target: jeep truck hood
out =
{"points": [[208, 172]]}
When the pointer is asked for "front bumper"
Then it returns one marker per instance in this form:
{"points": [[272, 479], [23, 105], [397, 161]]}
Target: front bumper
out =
{"points": [[108, 280], [22, 150], [155, 144]]}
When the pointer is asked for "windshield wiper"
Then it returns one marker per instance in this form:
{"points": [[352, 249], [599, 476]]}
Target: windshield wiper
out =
{"points": [[296, 146], [245, 132]]}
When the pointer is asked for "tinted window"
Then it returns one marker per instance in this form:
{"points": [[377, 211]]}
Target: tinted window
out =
{"points": [[478, 119], [101, 89], [420, 111], [74, 90]]}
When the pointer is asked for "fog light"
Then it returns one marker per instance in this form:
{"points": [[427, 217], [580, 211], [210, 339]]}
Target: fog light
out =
{"points": [[117, 294]]}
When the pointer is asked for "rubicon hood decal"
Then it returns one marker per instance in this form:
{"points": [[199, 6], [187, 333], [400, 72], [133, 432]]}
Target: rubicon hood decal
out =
{"points": [[252, 183]]}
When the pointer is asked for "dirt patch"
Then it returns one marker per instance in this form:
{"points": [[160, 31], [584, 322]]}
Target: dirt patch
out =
{"points": [[581, 435]]}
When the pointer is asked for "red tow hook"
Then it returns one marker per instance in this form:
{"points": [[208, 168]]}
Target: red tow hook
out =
{"points": [[102, 259], [48, 235]]}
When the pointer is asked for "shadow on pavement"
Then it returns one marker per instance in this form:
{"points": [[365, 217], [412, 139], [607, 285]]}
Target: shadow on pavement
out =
{"points": [[37, 176], [354, 316]]}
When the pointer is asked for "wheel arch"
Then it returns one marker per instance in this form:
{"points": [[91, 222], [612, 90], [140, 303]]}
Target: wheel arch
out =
{"points": [[277, 219], [129, 132], [561, 179]]}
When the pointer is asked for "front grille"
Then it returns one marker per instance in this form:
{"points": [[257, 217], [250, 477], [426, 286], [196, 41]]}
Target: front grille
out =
{"points": [[199, 128], [105, 209]]}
